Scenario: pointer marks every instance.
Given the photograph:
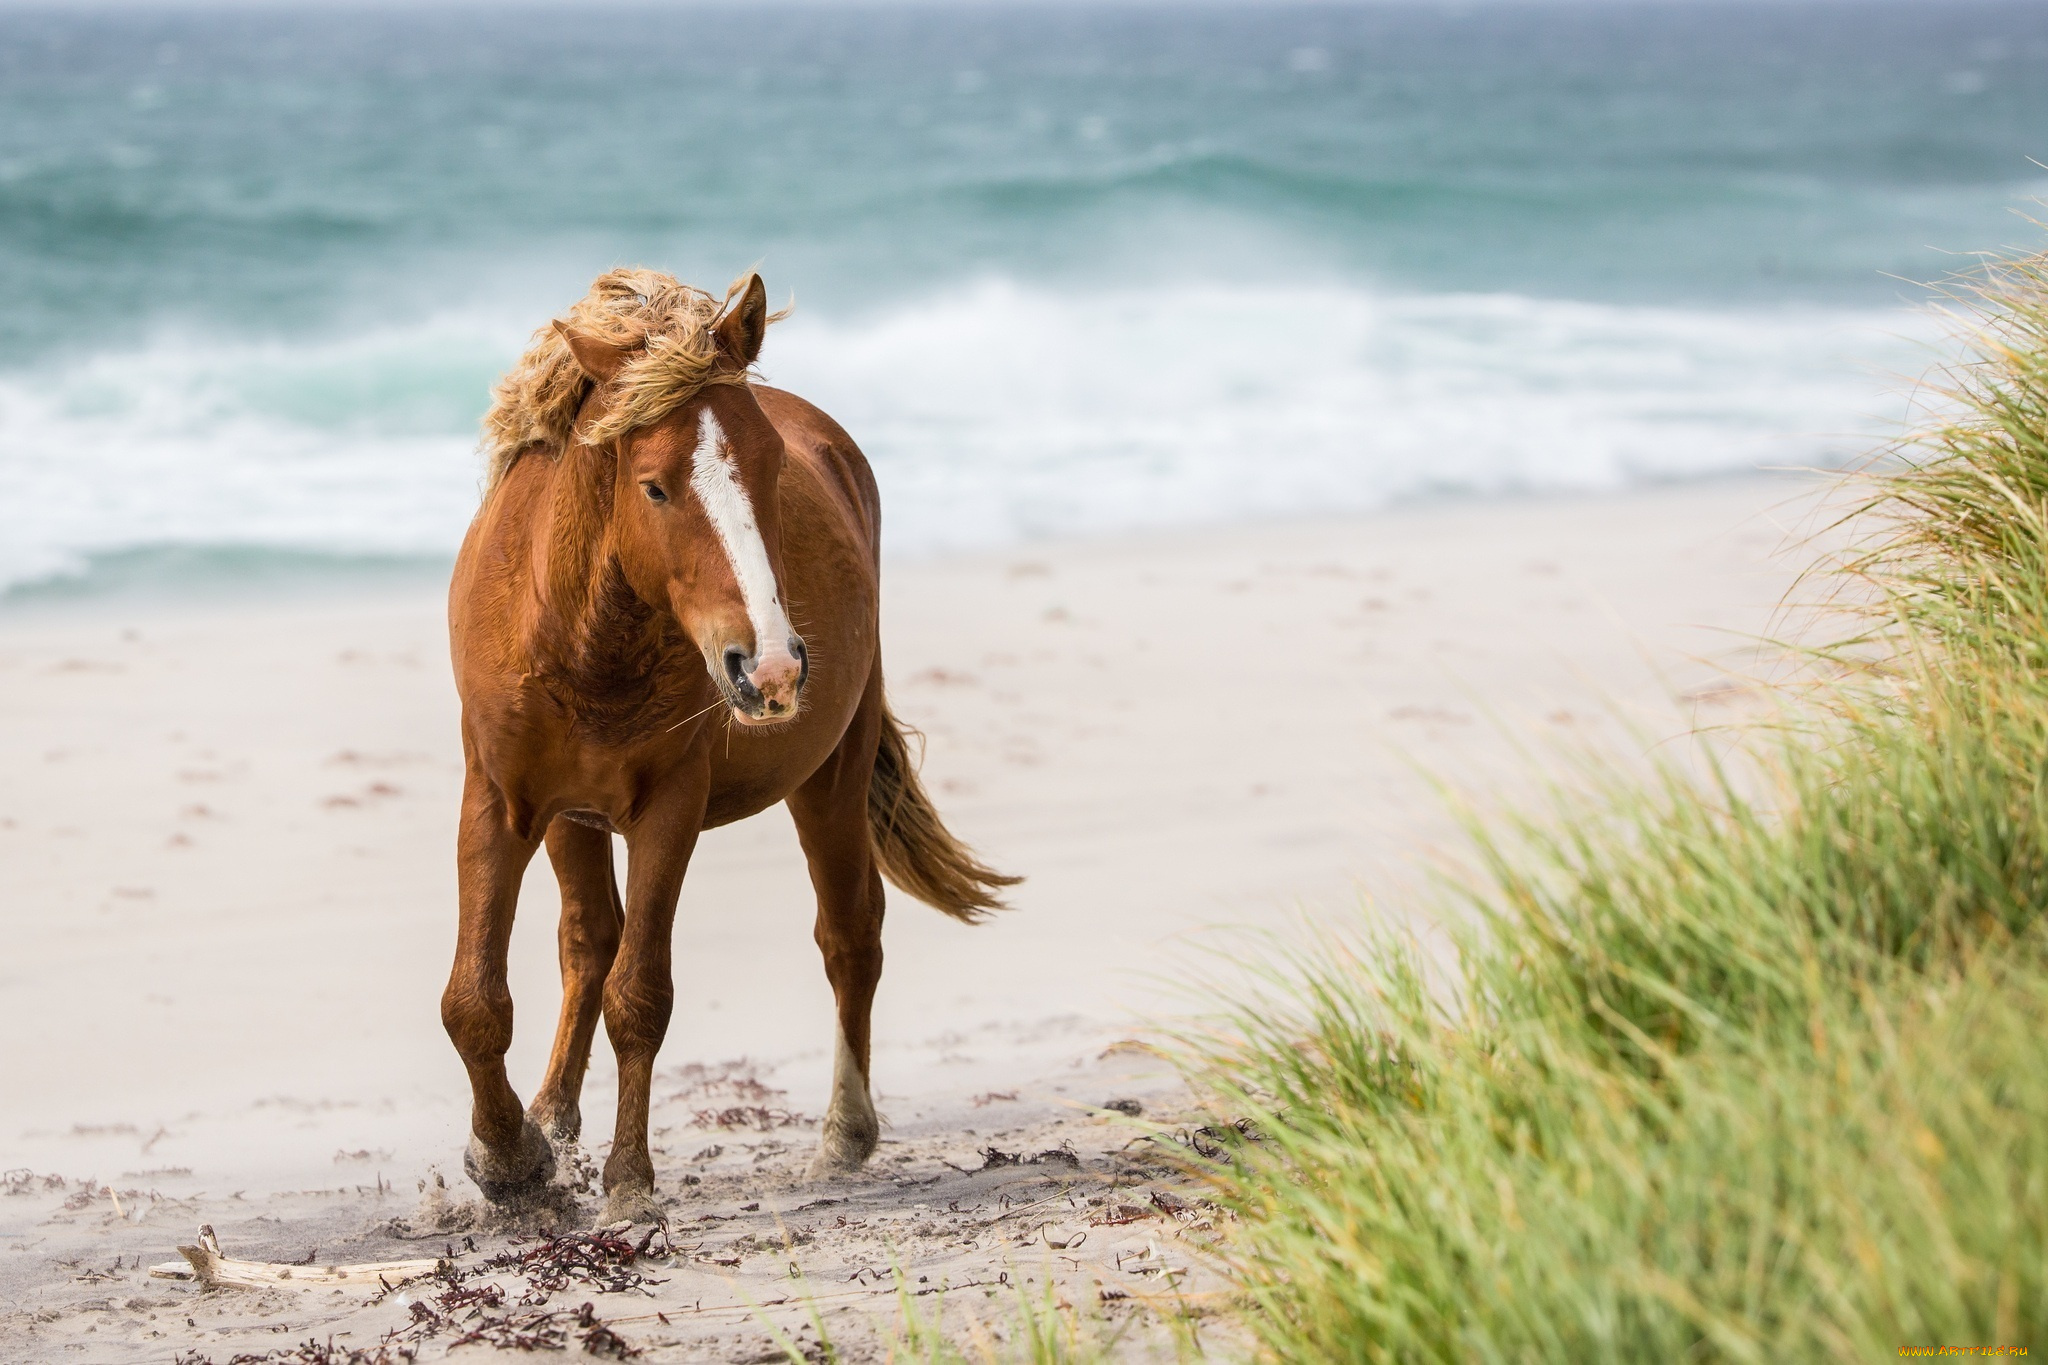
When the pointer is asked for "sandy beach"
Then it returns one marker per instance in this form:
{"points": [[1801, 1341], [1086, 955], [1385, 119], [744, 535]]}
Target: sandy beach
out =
{"points": [[227, 832]]}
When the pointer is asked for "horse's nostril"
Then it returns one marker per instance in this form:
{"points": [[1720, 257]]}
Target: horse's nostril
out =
{"points": [[803, 660], [736, 666]]}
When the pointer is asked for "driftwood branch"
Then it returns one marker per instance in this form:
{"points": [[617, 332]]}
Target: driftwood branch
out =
{"points": [[209, 1267]]}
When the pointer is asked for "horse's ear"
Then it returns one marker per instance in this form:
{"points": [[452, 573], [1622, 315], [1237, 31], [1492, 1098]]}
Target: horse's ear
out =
{"points": [[595, 358], [740, 331]]}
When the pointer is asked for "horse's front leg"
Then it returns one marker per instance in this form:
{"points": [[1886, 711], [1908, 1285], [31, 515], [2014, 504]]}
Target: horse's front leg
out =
{"points": [[640, 991], [508, 1158]]}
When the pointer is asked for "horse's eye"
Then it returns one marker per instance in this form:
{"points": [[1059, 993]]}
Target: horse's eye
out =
{"points": [[654, 493]]}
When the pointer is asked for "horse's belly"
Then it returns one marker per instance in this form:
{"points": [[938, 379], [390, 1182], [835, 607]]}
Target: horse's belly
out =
{"points": [[728, 807]]}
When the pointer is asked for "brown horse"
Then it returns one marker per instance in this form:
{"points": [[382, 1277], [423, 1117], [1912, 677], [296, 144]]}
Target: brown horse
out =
{"points": [[621, 622]]}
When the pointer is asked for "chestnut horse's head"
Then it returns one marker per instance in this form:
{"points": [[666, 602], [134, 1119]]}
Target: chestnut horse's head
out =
{"points": [[696, 510]]}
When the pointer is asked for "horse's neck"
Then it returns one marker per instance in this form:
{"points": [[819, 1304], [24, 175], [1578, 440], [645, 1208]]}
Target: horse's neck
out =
{"points": [[596, 647], [582, 603]]}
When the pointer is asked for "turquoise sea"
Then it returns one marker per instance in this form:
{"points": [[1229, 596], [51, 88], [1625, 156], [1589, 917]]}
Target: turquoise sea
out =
{"points": [[1063, 269]]}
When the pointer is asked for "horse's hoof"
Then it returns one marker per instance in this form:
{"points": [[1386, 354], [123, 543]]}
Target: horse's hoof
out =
{"points": [[511, 1177], [841, 1152], [823, 1168], [632, 1204]]}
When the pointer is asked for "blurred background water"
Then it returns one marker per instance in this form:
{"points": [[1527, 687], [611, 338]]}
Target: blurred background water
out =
{"points": [[1062, 269]]}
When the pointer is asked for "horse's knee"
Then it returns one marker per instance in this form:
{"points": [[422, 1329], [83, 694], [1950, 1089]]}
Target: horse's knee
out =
{"points": [[637, 1006], [478, 1020]]}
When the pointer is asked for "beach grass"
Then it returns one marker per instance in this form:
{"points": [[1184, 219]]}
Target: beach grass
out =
{"points": [[1735, 1061]]}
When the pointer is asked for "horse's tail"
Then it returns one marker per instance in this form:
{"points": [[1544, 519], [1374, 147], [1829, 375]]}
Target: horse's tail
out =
{"points": [[915, 849]]}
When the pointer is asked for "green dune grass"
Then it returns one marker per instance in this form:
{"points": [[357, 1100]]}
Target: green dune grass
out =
{"points": [[1746, 1066]]}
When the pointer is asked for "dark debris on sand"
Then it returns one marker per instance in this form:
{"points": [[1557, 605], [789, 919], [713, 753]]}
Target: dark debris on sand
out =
{"points": [[604, 1260], [994, 1158], [467, 1306]]}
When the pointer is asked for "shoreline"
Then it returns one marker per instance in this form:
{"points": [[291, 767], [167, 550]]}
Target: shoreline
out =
{"points": [[174, 579]]}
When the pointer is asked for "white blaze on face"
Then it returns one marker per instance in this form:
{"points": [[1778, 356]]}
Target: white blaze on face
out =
{"points": [[716, 482]]}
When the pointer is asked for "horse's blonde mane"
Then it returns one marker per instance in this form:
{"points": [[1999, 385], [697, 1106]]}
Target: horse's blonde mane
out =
{"points": [[535, 405]]}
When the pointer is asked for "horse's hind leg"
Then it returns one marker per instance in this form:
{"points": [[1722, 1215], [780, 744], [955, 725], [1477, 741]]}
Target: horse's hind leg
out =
{"points": [[592, 915], [508, 1157], [831, 813]]}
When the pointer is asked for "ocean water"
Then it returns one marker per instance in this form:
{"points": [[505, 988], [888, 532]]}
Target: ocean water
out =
{"points": [[1062, 269]]}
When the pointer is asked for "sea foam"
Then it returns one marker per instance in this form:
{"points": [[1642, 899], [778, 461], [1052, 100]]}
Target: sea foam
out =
{"points": [[993, 413]]}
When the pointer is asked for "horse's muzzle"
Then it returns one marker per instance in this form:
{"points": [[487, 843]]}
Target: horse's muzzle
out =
{"points": [[765, 690]]}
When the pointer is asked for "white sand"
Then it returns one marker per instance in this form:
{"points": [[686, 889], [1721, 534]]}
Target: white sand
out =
{"points": [[227, 829]]}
